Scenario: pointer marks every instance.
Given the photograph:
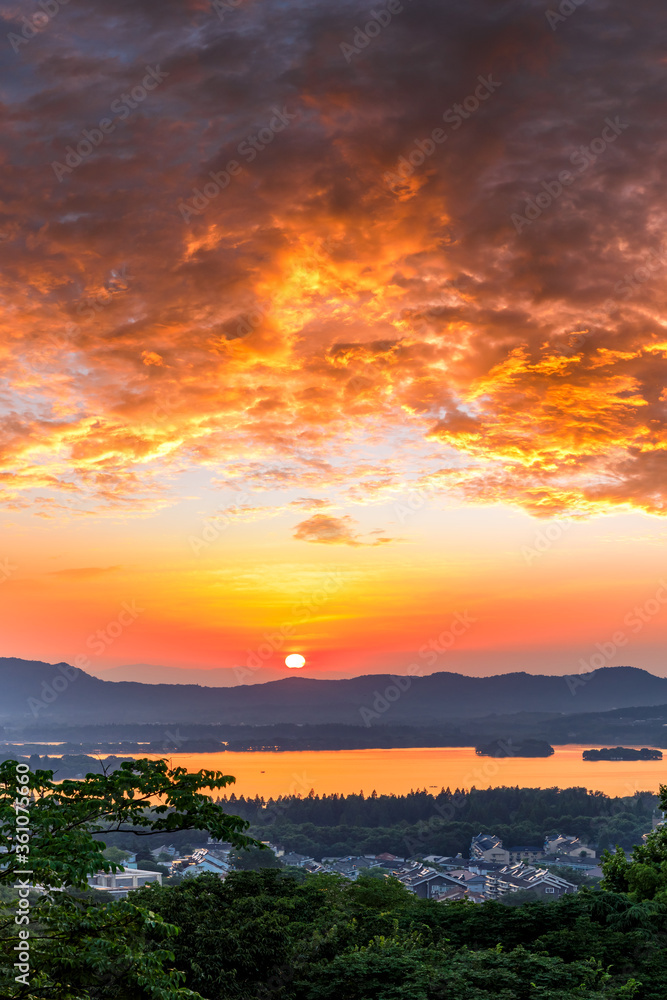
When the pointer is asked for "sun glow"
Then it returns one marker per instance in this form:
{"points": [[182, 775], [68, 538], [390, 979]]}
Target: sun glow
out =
{"points": [[295, 661]]}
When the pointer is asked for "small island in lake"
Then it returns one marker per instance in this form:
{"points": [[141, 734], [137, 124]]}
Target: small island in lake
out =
{"points": [[622, 753], [506, 748]]}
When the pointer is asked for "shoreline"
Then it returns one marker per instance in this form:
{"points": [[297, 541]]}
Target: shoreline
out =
{"points": [[396, 771], [53, 749]]}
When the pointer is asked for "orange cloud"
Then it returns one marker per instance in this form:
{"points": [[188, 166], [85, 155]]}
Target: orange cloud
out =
{"points": [[152, 358], [334, 531], [307, 317]]}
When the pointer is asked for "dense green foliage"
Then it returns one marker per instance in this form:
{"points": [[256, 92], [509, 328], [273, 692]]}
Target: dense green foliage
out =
{"points": [[319, 937], [82, 946], [297, 937], [422, 823], [253, 859]]}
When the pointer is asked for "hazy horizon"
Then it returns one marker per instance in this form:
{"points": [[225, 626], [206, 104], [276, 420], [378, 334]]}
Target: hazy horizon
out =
{"points": [[227, 677], [230, 677]]}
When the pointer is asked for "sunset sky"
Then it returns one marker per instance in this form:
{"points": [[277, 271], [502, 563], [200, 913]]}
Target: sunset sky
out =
{"points": [[401, 367]]}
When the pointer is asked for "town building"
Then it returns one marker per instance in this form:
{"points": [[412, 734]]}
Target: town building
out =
{"points": [[470, 881], [314, 868], [488, 847], [352, 866], [219, 846], [456, 894], [118, 884], [422, 880], [529, 854], [540, 881], [296, 860], [444, 862], [170, 850], [207, 865], [658, 819], [567, 847]]}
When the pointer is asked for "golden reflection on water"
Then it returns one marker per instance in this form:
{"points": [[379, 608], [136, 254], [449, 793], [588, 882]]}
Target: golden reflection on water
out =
{"points": [[400, 770]]}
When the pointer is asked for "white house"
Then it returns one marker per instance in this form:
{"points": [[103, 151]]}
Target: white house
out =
{"points": [[118, 884]]}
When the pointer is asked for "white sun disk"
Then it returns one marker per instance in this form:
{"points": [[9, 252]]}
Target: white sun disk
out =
{"points": [[295, 661]]}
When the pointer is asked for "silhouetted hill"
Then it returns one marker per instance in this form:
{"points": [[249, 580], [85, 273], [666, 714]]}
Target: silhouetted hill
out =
{"points": [[59, 693]]}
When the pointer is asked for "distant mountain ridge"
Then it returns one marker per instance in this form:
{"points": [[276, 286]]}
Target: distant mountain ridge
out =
{"points": [[33, 690]]}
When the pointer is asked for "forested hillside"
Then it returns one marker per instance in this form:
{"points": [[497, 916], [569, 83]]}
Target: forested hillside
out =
{"points": [[296, 937], [443, 823], [31, 688]]}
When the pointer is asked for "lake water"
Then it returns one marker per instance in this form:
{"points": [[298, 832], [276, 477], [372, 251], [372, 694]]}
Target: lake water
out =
{"points": [[400, 770]]}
